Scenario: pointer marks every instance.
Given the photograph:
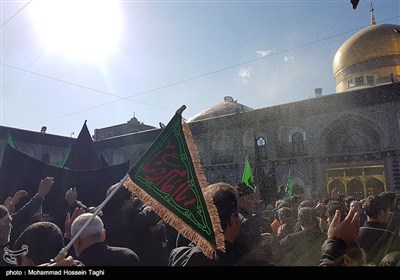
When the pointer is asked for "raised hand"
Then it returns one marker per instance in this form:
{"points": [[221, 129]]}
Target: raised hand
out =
{"points": [[71, 195], [10, 202], [346, 230], [70, 218], [45, 186]]}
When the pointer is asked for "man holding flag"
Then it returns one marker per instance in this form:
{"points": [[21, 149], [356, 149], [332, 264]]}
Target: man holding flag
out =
{"points": [[249, 195], [169, 178], [289, 187], [224, 197], [248, 178], [249, 241]]}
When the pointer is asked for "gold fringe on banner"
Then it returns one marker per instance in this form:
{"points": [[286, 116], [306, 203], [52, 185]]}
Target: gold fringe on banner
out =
{"points": [[209, 249], [169, 217], [212, 210]]}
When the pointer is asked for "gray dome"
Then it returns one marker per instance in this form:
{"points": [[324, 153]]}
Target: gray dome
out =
{"points": [[227, 107]]}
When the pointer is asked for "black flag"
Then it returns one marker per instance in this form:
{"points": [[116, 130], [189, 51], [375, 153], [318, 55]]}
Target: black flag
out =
{"points": [[83, 155], [354, 3], [20, 171]]}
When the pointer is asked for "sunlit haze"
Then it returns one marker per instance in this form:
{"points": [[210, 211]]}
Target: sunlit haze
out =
{"points": [[64, 62], [79, 29]]}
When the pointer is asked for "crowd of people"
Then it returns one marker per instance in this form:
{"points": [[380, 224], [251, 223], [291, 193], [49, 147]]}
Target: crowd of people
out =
{"points": [[333, 231]]}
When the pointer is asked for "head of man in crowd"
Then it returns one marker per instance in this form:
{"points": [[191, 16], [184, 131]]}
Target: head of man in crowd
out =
{"points": [[93, 233], [248, 197], [5, 225], [308, 218], [122, 200], [43, 240], [47, 216], [225, 200], [377, 208]]}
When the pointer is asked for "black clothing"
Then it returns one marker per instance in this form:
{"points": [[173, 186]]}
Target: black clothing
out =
{"points": [[192, 256], [21, 219], [377, 241], [301, 248], [394, 222], [155, 243], [249, 244], [127, 229], [332, 250], [250, 232], [100, 254]]}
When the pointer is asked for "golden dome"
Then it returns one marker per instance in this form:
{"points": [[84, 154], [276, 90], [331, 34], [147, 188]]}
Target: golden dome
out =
{"points": [[370, 57]]}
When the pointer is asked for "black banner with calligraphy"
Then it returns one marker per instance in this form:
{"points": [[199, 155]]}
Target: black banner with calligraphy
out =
{"points": [[169, 178]]}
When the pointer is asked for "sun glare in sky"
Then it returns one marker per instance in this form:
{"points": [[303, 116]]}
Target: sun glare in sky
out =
{"points": [[80, 29]]}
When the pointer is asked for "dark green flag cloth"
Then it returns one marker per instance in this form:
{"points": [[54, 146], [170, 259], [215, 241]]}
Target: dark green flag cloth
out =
{"points": [[10, 141], [65, 157], [169, 178]]}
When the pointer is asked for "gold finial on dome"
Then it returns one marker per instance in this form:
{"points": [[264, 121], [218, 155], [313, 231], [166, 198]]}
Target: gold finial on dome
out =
{"points": [[372, 13]]}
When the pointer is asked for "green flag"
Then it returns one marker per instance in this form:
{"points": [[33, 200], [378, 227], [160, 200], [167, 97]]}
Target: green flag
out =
{"points": [[10, 141], [248, 178], [64, 160], [169, 178], [289, 187]]}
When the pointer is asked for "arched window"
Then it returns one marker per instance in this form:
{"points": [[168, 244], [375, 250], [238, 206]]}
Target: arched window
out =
{"points": [[53, 156], [352, 134], [296, 130], [336, 184], [261, 147], [138, 153], [223, 147], [283, 134], [46, 158], [27, 149], [261, 141], [117, 157], [297, 144], [355, 188], [56, 156], [374, 187]]}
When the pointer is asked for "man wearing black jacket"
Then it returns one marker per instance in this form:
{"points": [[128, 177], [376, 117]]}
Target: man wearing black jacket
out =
{"points": [[91, 249]]}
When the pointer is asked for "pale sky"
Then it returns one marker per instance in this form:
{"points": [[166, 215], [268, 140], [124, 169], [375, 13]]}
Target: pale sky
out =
{"points": [[104, 61]]}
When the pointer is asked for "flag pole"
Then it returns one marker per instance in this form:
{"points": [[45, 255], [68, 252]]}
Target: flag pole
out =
{"points": [[181, 109], [64, 250]]}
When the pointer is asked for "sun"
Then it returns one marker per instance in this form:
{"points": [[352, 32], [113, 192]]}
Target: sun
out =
{"points": [[79, 29]]}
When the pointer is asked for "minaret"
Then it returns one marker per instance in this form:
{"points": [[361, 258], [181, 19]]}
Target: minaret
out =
{"points": [[372, 13]]}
